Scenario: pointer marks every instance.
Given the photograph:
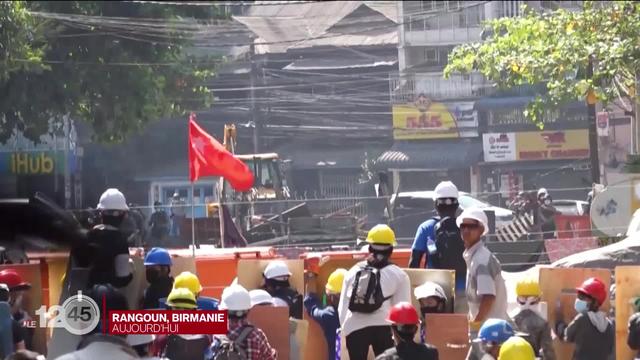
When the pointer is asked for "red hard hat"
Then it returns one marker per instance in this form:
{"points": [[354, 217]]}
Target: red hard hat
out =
{"points": [[13, 280], [403, 313], [595, 289]]}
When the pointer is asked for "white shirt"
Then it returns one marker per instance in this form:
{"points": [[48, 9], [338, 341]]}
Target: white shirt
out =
{"points": [[484, 277], [100, 350], [394, 283]]}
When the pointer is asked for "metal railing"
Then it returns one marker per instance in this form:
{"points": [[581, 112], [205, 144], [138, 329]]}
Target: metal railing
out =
{"points": [[404, 88]]}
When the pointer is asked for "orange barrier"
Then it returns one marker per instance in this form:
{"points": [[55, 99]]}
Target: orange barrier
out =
{"points": [[573, 226]]}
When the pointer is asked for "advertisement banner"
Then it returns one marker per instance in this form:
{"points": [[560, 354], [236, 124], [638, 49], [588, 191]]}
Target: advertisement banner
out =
{"points": [[499, 147], [536, 145], [35, 163], [426, 119]]}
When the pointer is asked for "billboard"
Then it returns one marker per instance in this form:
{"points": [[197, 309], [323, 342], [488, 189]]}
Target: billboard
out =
{"points": [[427, 119], [536, 145]]}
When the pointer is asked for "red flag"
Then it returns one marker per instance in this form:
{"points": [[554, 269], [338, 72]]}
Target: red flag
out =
{"points": [[207, 157]]}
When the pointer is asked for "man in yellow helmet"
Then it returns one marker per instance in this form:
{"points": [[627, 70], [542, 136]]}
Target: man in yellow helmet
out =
{"points": [[528, 319], [516, 348], [326, 317], [369, 291], [190, 281]]}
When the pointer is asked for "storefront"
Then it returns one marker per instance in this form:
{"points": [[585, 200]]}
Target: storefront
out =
{"points": [[433, 141], [556, 159]]}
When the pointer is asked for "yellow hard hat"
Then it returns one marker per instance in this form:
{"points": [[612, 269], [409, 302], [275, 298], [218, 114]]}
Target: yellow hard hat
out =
{"points": [[516, 348], [334, 283], [188, 280], [528, 287], [182, 298], [381, 235]]}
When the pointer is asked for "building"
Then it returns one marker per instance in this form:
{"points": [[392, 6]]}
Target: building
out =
{"points": [[442, 127]]}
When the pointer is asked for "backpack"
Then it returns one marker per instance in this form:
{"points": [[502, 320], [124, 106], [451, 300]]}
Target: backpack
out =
{"points": [[181, 348], [366, 292], [450, 247], [232, 350]]}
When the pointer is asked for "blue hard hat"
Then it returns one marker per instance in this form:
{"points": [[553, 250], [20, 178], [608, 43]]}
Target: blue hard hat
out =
{"points": [[495, 330], [158, 256]]}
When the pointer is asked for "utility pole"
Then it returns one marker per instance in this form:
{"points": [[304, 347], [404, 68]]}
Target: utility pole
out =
{"points": [[593, 131], [67, 170], [255, 118]]}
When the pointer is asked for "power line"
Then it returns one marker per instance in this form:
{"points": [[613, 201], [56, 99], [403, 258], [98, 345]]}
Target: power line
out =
{"points": [[224, 3]]}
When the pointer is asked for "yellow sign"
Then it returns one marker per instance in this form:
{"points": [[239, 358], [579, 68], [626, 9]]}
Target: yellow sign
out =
{"points": [[552, 144], [433, 120]]}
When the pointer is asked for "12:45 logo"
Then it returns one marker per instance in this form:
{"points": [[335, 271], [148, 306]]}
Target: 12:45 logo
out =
{"points": [[79, 315]]}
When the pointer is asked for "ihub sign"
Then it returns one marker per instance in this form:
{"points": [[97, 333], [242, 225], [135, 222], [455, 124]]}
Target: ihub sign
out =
{"points": [[32, 163]]}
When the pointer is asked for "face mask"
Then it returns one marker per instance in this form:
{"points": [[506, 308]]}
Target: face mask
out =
{"points": [[278, 283], [581, 306], [152, 275], [430, 310]]}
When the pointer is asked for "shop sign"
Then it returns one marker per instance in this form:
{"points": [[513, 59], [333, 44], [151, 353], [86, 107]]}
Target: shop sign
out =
{"points": [[33, 163], [536, 145], [499, 147], [426, 119]]}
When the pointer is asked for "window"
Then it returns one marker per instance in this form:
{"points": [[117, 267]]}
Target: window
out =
{"points": [[431, 54]]}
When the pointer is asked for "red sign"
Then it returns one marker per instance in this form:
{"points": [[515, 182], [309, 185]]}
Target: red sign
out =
{"points": [[165, 322]]}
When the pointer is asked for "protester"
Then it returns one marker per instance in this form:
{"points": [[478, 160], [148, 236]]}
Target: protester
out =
{"points": [[160, 223], [590, 331], [439, 240], [260, 297], [99, 346], [363, 314], [142, 346], [493, 333], [326, 317], [178, 213], [633, 338], [106, 253], [432, 300], [243, 339], [529, 320], [180, 346], [404, 324], [546, 215], [486, 291], [22, 337], [516, 348], [189, 280], [276, 282], [157, 264]]}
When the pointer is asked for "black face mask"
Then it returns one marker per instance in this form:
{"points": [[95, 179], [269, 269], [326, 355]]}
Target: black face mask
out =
{"points": [[277, 283], [152, 275], [431, 310]]}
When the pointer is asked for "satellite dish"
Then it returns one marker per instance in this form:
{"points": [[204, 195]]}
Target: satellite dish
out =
{"points": [[611, 211]]}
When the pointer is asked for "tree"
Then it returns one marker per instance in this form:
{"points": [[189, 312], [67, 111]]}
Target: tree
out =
{"points": [[555, 49], [17, 36], [114, 65]]}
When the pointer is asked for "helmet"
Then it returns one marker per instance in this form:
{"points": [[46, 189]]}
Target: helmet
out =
{"points": [[446, 189], [112, 199], [496, 331], [182, 298], [542, 191], [595, 289], [235, 298], [276, 269], [403, 313], [475, 214], [135, 340], [381, 235], [13, 280], [188, 280], [334, 283], [429, 289], [528, 287], [158, 256], [260, 297], [516, 348]]}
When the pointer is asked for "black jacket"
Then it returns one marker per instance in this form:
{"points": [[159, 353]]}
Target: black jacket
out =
{"points": [[633, 339], [156, 291], [410, 351]]}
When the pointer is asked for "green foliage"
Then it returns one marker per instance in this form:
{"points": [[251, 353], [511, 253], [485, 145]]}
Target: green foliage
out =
{"points": [[112, 80], [554, 49]]}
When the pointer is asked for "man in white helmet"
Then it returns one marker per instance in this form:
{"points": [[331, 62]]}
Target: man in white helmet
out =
{"points": [[432, 300], [107, 251], [276, 283], [142, 346], [249, 342], [439, 241]]}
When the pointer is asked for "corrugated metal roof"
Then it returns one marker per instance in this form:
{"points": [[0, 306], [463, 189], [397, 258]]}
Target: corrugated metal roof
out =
{"points": [[434, 155], [345, 63]]}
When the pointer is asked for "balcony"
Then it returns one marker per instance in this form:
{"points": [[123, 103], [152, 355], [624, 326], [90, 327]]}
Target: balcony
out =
{"points": [[404, 88], [457, 27]]}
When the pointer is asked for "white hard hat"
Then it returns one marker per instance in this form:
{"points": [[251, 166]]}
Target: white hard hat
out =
{"points": [[446, 189], [260, 297], [429, 289], [276, 269], [542, 191], [4, 287], [112, 199], [235, 298], [474, 214], [135, 340]]}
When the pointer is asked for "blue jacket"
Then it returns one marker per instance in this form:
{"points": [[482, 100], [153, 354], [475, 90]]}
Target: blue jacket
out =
{"points": [[327, 318]]}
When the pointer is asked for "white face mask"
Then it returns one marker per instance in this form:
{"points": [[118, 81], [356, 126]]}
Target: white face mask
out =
{"points": [[529, 303]]}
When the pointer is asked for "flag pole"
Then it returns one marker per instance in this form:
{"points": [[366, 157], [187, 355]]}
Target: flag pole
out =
{"points": [[220, 210], [193, 221]]}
